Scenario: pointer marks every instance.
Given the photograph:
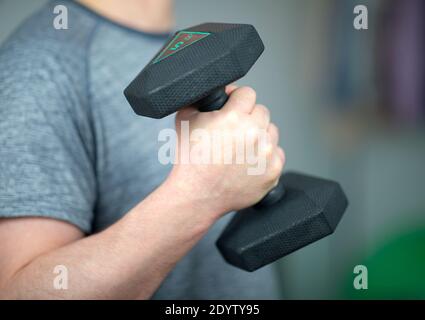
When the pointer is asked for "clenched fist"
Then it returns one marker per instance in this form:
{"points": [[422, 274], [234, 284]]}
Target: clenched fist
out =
{"points": [[214, 160]]}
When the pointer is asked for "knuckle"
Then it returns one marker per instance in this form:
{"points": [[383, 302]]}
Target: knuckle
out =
{"points": [[261, 112], [232, 116], [275, 174], [248, 93], [282, 155], [268, 151], [264, 109], [273, 130], [250, 122], [281, 165], [259, 107], [276, 167], [252, 132], [264, 137]]}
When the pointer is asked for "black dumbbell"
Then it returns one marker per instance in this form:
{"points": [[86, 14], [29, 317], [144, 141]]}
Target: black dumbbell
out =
{"points": [[193, 68]]}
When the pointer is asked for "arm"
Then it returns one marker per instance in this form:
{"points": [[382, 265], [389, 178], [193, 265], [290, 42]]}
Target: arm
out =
{"points": [[128, 260], [131, 258]]}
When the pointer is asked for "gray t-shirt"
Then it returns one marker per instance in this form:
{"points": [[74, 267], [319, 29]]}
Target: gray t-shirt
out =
{"points": [[72, 149]]}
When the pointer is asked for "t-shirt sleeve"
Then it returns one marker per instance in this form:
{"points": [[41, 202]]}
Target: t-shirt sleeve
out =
{"points": [[46, 142]]}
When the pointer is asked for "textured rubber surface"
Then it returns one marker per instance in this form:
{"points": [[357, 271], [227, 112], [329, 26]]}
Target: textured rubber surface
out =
{"points": [[194, 72], [309, 211]]}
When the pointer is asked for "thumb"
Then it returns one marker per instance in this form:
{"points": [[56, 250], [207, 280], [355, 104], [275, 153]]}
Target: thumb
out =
{"points": [[185, 114]]}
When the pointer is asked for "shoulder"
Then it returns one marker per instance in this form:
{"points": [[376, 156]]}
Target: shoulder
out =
{"points": [[39, 62], [37, 47]]}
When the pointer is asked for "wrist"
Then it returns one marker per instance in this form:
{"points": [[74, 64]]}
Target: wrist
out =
{"points": [[172, 214], [189, 193]]}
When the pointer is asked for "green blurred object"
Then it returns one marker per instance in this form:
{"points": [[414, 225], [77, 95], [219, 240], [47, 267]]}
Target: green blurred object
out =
{"points": [[395, 271]]}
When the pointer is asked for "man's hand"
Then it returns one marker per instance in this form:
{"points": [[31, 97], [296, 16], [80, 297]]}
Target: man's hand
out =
{"points": [[132, 257], [229, 186]]}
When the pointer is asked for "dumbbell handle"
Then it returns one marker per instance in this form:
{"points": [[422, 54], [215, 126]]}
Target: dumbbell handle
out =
{"points": [[215, 101]]}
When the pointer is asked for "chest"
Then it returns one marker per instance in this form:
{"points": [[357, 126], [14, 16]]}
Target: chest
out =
{"points": [[127, 165], [126, 145]]}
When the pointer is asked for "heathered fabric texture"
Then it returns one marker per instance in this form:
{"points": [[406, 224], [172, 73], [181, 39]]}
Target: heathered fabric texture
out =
{"points": [[72, 149]]}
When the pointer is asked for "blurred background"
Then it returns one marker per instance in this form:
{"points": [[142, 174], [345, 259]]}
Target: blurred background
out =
{"points": [[350, 106]]}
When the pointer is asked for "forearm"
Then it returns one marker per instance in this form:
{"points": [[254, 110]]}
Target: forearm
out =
{"points": [[128, 260]]}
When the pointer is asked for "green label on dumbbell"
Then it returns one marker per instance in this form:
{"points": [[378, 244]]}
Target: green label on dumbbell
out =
{"points": [[182, 40]]}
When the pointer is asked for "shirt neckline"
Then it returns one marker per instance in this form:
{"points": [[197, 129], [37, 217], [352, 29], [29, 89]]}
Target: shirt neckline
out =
{"points": [[97, 16]]}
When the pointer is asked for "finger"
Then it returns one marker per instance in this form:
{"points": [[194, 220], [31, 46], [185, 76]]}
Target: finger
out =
{"points": [[277, 163], [230, 88], [186, 112], [281, 154], [261, 116], [273, 132], [242, 100]]}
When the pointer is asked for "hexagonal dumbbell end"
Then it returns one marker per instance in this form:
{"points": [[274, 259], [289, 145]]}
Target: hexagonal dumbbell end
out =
{"points": [[309, 211], [194, 64]]}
